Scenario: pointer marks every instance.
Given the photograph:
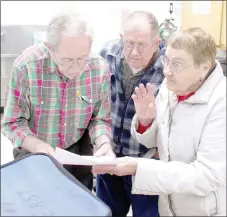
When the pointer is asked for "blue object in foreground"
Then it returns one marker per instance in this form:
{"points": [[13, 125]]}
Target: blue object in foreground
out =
{"points": [[37, 185]]}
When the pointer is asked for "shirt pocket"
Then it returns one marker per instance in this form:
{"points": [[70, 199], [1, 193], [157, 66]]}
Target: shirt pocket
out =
{"points": [[44, 109], [85, 105]]}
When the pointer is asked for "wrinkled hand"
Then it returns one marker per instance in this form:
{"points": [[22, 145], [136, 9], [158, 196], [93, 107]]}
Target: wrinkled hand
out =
{"points": [[45, 148], [144, 101], [34, 145], [125, 166], [105, 150]]}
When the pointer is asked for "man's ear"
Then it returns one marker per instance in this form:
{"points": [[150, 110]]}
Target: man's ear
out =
{"points": [[157, 42], [121, 35]]}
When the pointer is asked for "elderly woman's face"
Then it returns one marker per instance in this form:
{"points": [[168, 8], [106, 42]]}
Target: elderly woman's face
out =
{"points": [[180, 71]]}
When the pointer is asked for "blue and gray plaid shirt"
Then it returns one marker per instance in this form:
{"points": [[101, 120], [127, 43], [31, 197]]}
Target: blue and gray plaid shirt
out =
{"points": [[123, 110]]}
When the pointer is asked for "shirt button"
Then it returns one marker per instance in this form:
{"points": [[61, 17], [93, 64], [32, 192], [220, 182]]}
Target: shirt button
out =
{"points": [[65, 124], [42, 102], [66, 105]]}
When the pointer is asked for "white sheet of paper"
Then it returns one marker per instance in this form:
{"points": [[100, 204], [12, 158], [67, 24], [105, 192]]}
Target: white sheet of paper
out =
{"points": [[66, 157]]}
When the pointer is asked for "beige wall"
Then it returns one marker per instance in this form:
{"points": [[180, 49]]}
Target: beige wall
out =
{"points": [[223, 27], [211, 21]]}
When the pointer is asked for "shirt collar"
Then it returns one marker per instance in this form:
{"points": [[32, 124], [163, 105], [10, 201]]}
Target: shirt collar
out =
{"points": [[204, 93], [116, 48], [52, 66]]}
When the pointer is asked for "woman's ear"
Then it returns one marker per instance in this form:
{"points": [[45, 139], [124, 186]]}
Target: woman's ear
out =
{"points": [[206, 67]]}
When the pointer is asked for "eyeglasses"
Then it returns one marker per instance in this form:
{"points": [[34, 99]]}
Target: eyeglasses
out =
{"points": [[175, 66], [70, 63], [129, 45]]}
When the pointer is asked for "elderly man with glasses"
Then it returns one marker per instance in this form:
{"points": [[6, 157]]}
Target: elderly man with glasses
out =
{"points": [[59, 96], [133, 60]]}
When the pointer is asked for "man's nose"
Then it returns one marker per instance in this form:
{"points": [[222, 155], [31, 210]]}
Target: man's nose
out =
{"points": [[134, 51]]}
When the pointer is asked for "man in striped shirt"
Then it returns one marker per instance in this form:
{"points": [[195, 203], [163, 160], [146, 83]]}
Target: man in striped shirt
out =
{"points": [[59, 96]]}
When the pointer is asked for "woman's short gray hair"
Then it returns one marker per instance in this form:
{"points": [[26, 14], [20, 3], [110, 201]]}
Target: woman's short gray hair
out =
{"points": [[72, 23]]}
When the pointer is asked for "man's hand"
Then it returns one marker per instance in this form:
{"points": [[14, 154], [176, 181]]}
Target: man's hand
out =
{"points": [[144, 101], [35, 145], [105, 150], [45, 148]]}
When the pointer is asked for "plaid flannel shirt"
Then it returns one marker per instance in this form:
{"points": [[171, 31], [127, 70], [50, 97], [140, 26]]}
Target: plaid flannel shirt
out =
{"points": [[123, 110], [41, 102]]}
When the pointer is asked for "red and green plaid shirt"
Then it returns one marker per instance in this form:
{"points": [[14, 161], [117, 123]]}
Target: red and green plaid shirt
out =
{"points": [[44, 103]]}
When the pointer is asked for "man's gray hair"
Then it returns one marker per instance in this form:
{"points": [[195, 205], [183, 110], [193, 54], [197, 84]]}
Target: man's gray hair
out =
{"points": [[152, 20], [72, 24]]}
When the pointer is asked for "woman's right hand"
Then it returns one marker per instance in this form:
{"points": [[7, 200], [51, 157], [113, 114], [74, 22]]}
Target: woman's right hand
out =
{"points": [[144, 101]]}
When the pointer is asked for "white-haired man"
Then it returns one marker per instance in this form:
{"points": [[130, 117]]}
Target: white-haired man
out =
{"points": [[133, 60], [59, 96]]}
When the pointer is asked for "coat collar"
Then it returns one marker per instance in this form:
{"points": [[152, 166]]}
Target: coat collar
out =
{"points": [[204, 93]]}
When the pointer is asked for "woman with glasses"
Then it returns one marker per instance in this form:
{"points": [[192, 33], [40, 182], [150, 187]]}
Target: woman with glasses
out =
{"points": [[187, 123]]}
